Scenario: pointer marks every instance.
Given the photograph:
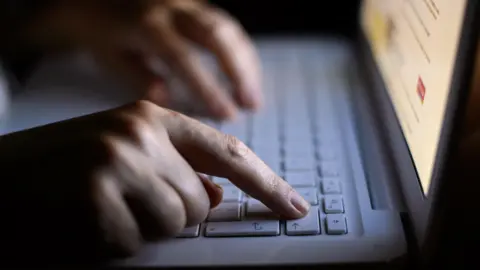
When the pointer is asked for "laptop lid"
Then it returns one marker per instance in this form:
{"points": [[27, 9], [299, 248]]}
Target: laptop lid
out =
{"points": [[423, 52]]}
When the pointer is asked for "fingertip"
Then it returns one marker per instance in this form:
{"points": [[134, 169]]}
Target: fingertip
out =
{"points": [[250, 98], [290, 206], [300, 204], [225, 112]]}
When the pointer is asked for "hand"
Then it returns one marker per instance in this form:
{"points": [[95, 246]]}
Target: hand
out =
{"points": [[110, 181], [125, 36]]}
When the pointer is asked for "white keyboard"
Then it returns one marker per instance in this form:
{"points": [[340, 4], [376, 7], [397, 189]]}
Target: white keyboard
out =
{"points": [[305, 132], [296, 135]]}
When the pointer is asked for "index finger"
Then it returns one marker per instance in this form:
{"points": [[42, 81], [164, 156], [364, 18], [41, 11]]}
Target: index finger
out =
{"points": [[212, 152], [175, 51], [222, 35]]}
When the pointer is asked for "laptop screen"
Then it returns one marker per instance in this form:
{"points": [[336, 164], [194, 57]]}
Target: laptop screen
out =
{"points": [[414, 43]]}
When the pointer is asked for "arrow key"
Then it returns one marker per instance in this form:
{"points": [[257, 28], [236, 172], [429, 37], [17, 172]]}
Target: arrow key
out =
{"points": [[308, 225]]}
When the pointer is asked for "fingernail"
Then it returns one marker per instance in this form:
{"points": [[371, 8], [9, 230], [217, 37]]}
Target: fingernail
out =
{"points": [[299, 203], [218, 186]]}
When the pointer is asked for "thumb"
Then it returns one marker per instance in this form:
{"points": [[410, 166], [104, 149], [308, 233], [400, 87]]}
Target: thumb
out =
{"points": [[214, 191]]}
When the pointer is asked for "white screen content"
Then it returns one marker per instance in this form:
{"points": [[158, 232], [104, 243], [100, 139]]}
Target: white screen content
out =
{"points": [[414, 43]]}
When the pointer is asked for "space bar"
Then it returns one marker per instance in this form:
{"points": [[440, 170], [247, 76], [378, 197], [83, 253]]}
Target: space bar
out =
{"points": [[243, 228]]}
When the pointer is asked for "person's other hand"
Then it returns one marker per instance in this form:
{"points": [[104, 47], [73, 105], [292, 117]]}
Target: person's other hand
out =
{"points": [[125, 176], [125, 36]]}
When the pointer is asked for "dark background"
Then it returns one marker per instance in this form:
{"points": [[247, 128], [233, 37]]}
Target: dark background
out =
{"points": [[294, 17], [260, 17]]}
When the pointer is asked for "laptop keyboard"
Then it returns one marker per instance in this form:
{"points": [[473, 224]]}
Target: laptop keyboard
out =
{"points": [[296, 135]]}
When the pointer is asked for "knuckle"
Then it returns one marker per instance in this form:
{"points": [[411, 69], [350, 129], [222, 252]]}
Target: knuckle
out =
{"points": [[222, 30], [222, 25], [145, 108], [134, 127], [109, 147], [234, 35], [136, 130], [154, 18], [235, 148]]}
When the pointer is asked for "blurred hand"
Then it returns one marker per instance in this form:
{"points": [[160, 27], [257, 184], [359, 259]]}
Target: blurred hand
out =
{"points": [[125, 36], [107, 182]]}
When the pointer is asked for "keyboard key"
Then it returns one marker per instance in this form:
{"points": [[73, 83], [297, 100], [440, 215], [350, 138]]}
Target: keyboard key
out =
{"points": [[329, 169], [300, 136], [232, 194], [326, 153], [268, 153], [243, 228], [309, 194], [308, 225], [256, 209], [266, 118], [327, 132], [331, 186], [221, 181], [190, 232], [265, 132], [296, 121], [299, 164], [301, 178], [333, 204], [227, 211], [294, 151], [265, 135], [336, 224], [264, 128], [266, 148]]}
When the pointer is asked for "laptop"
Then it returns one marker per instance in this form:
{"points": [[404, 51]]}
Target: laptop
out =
{"points": [[362, 129]]}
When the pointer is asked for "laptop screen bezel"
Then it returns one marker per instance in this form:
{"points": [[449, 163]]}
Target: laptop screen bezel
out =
{"points": [[421, 207]]}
